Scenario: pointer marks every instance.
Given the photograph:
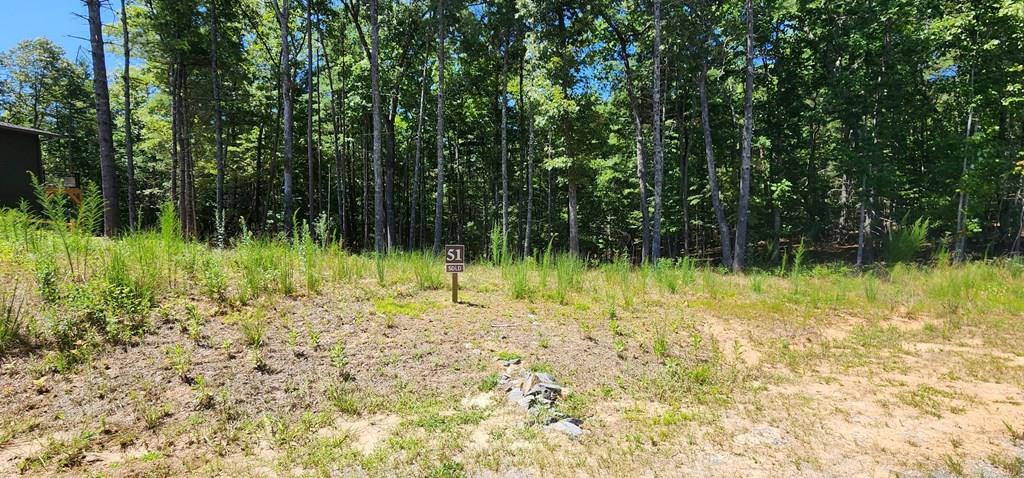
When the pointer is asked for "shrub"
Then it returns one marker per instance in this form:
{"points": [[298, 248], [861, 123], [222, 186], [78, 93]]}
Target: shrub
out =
{"points": [[905, 242], [46, 279]]}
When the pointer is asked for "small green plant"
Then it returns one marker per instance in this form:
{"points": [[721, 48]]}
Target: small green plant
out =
{"points": [[254, 329], [541, 367], [344, 399], [338, 357], [193, 323], [204, 396], [620, 347], [488, 383], [798, 258], [660, 346], [46, 278], [213, 279], [180, 360], [509, 356]]}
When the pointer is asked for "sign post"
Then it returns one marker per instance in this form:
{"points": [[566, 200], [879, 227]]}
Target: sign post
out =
{"points": [[454, 263]]}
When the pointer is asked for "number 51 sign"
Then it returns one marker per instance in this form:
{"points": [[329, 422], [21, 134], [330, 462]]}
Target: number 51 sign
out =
{"points": [[454, 263], [454, 258]]}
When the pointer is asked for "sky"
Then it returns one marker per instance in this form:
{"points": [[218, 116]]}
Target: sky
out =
{"points": [[57, 20]]}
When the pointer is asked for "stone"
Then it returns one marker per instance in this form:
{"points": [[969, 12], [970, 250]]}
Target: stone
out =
{"points": [[568, 427], [529, 382]]}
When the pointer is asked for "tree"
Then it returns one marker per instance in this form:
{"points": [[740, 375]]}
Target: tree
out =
{"points": [[659, 149], [218, 122], [104, 124], [281, 11], [439, 198], [128, 133], [742, 213], [378, 188]]}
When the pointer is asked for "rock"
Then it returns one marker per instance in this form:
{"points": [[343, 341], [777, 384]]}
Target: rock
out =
{"points": [[568, 427], [529, 382], [761, 435]]}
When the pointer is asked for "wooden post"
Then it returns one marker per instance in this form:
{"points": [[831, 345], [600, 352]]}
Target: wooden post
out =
{"points": [[455, 287]]}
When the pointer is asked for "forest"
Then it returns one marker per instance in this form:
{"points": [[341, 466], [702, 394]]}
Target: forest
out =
{"points": [[725, 130], [703, 238]]}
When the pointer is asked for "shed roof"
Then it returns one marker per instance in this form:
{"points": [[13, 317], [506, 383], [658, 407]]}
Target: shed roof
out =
{"points": [[24, 129]]}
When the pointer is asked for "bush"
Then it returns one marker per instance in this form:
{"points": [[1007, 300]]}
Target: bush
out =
{"points": [[905, 242]]}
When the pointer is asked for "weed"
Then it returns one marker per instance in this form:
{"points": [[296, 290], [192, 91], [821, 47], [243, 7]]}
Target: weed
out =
{"points": [[449, 469], [204, 396], [541, 367], [488, 383], [10, 321], [660, 346], [338, 357], [180, 360], [254, 329], [509, 356]]}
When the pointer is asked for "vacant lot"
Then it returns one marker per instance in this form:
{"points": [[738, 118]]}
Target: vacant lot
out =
{"points": [[150, 356]]}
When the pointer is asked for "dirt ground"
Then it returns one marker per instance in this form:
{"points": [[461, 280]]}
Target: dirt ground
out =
{"points": [[363, 382]]}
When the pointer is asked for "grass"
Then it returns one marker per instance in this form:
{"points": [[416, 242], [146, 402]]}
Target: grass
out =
{"points": [[644, 326]]}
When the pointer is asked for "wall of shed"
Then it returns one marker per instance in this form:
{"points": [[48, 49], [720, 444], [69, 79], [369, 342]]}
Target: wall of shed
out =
{"points": [[19, 154]]}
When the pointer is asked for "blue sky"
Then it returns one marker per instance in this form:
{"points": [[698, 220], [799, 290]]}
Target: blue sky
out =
{"points": [[54, 19]]}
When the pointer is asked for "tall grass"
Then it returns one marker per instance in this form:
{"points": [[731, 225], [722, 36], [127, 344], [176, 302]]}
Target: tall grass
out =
{"points": [[568, 274], [10, 321], [426, 269], [517, 279]]}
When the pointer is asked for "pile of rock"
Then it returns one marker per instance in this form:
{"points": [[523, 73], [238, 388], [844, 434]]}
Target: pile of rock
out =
{"points": [[537, 393]]}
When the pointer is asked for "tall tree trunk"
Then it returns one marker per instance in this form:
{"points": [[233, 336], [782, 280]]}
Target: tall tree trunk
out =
{"points": [[709, 152], [638, 131], [282, 11], [310, 174], [748, 134], [218, 124], [175, 131], [415, 194], [684, 184], [529, 189], [379, 240], [574, 235], [439, 203], [504, 141], [128, 139], [659, 151], [339, 155], [104, 125], [959, 253]]}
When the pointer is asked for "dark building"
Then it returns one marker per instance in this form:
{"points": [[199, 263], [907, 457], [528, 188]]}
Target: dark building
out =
{"points": [[20, 153]]}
